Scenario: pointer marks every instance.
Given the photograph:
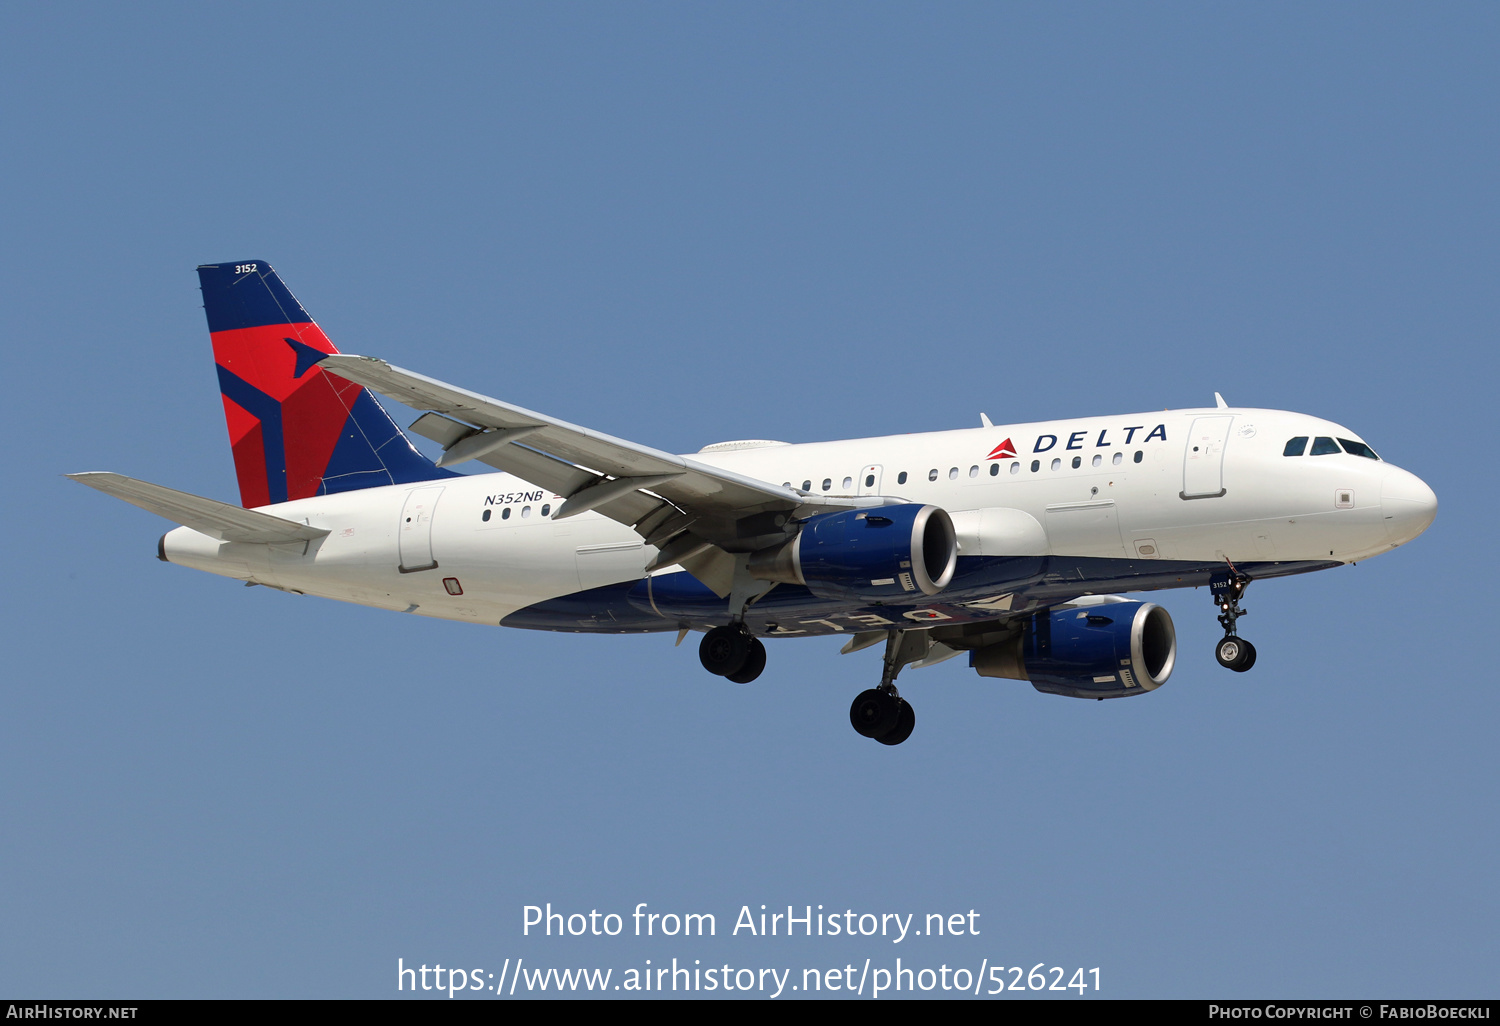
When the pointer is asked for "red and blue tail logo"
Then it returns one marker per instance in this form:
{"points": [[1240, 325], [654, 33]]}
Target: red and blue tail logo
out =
{"points": [[295, 431]]}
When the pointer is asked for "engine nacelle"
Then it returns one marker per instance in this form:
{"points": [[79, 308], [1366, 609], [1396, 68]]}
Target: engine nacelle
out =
{"points": [[1104, 650], [883, 552]]}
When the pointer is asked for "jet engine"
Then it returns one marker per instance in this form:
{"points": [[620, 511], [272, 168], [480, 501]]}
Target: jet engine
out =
{"points": [[1101, 650], [871, 554]]}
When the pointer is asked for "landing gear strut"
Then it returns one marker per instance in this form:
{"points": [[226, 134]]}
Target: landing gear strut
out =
{"points": [[881, 713], [732, 652], [1233, 651]]}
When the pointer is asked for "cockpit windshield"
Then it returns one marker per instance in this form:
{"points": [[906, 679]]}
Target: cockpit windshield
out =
{"points": [[1322, 445], [1354, 448]]}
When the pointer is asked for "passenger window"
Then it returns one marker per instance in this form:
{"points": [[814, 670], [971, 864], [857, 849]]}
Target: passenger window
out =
{"points": [[827, 484], [932, 474], [1036, 465], [1354, 448], [1077, 462], [547, 510], [505, 513], [1098, 460], [807, 486], [952, 473], [995, 469], [1296, 447], [525, 511], [974, 471], [1323, 446], [848, 483], [1057, 464], [485, 516], [1138, 455], [869, 480], [1119, 457], [901, 477], [1015, 468]]}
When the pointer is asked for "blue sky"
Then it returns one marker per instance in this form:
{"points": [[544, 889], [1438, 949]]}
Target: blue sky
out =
{"points": [[689, 223]]}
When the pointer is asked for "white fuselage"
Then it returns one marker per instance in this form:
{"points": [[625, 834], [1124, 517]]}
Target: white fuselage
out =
{"points": [[1204, 485]]}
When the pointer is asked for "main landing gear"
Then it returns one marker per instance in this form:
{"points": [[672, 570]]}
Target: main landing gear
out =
{"points": [[1233, 652], [881, 713], [733, 653]]}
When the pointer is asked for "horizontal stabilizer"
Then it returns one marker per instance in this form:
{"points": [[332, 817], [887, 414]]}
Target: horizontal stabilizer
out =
{"points": [[207, 516]]}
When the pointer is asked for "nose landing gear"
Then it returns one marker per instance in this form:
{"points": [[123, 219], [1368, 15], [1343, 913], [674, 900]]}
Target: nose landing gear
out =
{"points": [[1233, 652]]}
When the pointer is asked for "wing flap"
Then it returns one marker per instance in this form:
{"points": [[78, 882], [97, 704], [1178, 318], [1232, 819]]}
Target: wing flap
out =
{"points": [[207, 516], [693, 484], [658, 493]]}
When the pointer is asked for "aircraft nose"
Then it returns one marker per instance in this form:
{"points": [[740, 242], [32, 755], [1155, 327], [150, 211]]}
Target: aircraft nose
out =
{"points": [[1407, 504]]}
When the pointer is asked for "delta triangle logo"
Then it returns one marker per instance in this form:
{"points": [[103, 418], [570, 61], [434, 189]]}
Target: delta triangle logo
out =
{"points": [[1002, 450]]}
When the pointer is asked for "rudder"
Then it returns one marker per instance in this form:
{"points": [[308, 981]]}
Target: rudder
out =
{"points": [[294, 430]]}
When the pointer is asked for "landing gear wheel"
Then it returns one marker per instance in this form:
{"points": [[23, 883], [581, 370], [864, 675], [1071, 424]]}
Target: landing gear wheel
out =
{"points": [[725, 650], [754, 664], [1235, 653], [906, 721], [875, 713]]}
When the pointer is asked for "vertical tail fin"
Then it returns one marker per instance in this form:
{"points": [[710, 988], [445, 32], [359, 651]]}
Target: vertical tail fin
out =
{"points": [[295, 431]]}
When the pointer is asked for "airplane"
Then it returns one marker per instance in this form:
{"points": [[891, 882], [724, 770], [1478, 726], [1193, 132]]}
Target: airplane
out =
{"points": [[1006, 543]]}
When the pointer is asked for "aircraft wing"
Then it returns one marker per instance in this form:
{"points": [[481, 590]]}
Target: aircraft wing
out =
{"points": [[207, 516], [669, 499]]}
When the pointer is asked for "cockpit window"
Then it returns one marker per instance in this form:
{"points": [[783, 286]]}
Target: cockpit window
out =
{"points": [[1323, 446], [1354, 448], [1296, 447]]}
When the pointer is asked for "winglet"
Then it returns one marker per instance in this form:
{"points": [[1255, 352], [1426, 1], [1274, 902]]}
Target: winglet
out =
{"points": [[307, 356], [1219, 402], [984, 419]]}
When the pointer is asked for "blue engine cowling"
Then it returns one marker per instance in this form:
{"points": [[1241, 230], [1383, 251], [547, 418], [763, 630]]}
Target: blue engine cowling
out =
{"points": [[884, 552], [1103, 650]]}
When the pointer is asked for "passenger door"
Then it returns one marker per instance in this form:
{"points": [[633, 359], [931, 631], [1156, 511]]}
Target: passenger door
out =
{"points": [[414, 539], [1203, 462]]}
